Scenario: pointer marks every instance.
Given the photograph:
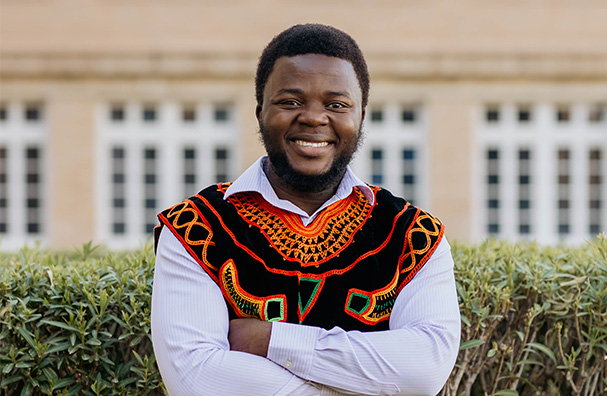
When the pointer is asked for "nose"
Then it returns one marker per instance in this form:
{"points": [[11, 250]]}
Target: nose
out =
{"points": [[313, 115]]}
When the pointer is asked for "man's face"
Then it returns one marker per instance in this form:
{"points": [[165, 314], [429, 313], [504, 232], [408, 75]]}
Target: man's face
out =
{"points": [[310, 119]]}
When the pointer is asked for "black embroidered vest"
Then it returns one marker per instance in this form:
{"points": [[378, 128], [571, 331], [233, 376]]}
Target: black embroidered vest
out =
{"points": [[344, 269]]}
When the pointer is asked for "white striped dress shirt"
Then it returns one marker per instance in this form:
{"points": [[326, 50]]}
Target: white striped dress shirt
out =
{"points": [[190, 326]]}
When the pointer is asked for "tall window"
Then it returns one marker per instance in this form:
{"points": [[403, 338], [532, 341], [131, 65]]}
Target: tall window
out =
{"points": [[393, 156], [155, 154], [22, 173], [544, 170]]}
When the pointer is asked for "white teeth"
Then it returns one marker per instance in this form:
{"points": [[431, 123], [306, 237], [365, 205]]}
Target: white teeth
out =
{"points": [[311, 144]]}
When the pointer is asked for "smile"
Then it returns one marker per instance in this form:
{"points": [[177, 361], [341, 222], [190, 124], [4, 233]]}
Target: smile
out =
{"points": [[311, 144]]}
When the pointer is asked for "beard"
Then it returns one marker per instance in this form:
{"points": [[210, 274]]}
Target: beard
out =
{"points": [[309, 183]]}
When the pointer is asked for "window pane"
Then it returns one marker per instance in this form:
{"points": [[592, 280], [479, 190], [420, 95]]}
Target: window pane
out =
{"points": [[3, 112], [524, 114], [188, 113], [117, 113], [563, 114], [492, 114], [596, 114], [221, 113], [149, 113], [409, 115], [377, 115], [33, 112]]}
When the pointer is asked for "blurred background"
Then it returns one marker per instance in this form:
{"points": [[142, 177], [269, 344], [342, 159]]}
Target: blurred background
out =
{"points": [[490, 114]]}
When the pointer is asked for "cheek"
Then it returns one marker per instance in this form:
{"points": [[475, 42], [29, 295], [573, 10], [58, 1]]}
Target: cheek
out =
{"points": [[276, 119], [350, 128]]}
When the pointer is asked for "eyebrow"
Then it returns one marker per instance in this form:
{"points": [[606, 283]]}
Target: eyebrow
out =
{"points": [[338, 93], [299, 91], [290, 90]]}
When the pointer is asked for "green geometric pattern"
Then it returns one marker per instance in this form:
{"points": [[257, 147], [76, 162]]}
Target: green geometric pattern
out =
{"points": [[308, 287]]}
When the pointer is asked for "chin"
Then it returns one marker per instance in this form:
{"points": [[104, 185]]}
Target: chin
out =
{"points": [[314, 181]]}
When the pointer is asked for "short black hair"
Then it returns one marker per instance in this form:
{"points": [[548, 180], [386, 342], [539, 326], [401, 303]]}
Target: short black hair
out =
{"points": [[312, 39]]}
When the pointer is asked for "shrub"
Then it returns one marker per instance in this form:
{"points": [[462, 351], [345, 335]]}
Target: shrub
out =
{"points": [[77, 324], [534, 321]]}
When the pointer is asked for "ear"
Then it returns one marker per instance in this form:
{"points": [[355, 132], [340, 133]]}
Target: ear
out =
{"points": [[363, 115], [258, 112]]}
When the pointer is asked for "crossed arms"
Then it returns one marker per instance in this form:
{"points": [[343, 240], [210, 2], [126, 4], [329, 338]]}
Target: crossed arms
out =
{"points": [[191, 333]]}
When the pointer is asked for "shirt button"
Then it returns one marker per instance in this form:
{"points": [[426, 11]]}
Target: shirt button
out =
{"points": [[288, 364]]}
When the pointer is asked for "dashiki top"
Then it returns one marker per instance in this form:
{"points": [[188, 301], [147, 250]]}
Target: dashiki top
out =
{"points": [[344, 269]]}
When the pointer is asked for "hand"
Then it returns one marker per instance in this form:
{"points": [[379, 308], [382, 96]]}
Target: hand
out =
{"points": [[250, 335]]}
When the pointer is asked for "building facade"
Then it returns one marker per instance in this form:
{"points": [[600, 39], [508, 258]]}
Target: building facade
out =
{"points": [[492, 115]]}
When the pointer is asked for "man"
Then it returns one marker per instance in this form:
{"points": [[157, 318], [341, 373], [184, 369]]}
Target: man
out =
{"points": [[298, 278]]}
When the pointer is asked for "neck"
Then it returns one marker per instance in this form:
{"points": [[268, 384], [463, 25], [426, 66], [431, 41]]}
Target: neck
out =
{"points": [[309, 202]]}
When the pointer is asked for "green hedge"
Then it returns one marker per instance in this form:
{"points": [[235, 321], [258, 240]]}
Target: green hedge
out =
{"points": [[534, 321], [77, 324]]}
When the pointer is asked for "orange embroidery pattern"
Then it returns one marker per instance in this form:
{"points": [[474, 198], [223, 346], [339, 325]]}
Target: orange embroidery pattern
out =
{"points": [[184, 215], [430, 228], [270, 309], [330, 233]]}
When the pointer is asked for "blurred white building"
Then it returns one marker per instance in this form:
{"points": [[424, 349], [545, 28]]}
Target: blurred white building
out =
{"points": [[492, 115]]}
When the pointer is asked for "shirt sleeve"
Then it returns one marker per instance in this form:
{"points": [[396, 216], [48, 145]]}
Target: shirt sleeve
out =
{"points": [[189, 333], [414, 357]]}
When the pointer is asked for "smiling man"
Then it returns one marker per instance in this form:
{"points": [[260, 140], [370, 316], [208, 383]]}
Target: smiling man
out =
{"points": [[298, 278]]}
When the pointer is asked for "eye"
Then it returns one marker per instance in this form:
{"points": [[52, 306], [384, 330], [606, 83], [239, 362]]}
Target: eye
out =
{"points": [[289, 102], [336, 105]]}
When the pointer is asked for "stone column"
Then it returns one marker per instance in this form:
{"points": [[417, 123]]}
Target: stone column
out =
{"points": [[451, 145], [250, 144], [71, 177]]}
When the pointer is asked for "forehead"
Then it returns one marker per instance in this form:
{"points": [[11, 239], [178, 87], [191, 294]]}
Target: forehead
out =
{"points": [[309, 69]]}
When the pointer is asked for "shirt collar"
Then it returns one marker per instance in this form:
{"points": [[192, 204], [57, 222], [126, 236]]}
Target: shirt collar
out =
{"points": [[255, 179]]}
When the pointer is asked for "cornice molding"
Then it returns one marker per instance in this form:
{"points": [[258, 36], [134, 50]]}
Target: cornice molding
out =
{"points": [[390, 66], [489, 66]]}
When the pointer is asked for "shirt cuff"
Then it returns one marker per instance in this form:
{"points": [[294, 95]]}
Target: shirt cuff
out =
{"points": [[292, 347]]}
